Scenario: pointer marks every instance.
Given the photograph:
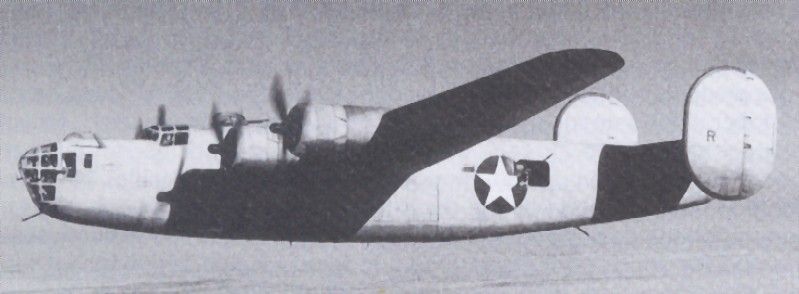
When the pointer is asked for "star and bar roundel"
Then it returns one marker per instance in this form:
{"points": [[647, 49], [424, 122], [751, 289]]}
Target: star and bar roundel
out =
{"points": [[497, 186]]}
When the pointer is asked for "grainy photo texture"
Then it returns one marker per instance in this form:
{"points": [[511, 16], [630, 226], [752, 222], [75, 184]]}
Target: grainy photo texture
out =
{"points": [[542, 146]]}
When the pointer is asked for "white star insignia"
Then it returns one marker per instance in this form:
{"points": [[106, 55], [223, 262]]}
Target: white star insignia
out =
{"points": [[500, 183]]}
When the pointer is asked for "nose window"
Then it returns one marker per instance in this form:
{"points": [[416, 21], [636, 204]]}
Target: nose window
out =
{"points": [[49, 175], [49, 160], [32, 160], [31, 174], [48, 193], [40, 169]]}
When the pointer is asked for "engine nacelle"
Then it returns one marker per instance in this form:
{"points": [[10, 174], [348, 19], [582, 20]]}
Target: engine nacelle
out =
{"points": [[256, 147], [730, 132], [326, 128]]}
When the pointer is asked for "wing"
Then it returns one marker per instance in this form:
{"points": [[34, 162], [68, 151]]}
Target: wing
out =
{"points": [[336, 196], [423, 133]]}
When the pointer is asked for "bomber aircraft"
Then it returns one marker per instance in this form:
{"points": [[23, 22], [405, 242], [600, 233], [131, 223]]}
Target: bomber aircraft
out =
{"points": [[427, 171]]}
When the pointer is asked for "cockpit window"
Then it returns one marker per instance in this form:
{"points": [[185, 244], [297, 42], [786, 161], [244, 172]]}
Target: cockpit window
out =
{"points": [[168, 135], [181, 138], [151, 134], [167, 139]]}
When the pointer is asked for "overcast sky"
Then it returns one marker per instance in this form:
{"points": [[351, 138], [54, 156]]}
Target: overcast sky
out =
{"points": [[101, 67]]}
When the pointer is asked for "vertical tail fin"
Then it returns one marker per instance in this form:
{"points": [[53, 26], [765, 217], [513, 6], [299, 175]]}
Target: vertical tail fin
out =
{"points": [[730, 132]]}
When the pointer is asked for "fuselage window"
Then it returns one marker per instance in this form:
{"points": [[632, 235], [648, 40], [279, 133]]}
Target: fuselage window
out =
{"points": [[536, 173], [87, 161], [69, 161]]}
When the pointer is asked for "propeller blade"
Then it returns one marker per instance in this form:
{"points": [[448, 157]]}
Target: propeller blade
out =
{"points": [[214, 112], [230, 144], [278, 98], [216, 124], [139, 130], [161, 115]]}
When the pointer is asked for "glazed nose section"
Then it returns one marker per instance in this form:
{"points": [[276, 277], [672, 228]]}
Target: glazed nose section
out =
{"points": [[39, 168], [28, 173]]}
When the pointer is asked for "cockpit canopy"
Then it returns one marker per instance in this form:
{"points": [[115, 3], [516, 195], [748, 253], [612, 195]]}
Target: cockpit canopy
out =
{"points": [[167, 135]]}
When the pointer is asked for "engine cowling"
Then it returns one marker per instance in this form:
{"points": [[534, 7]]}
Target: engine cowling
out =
{"points": [[328, 128], [251, 146]]}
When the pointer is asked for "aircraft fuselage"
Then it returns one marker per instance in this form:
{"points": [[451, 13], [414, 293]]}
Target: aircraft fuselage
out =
{"points": [[497, 187]]}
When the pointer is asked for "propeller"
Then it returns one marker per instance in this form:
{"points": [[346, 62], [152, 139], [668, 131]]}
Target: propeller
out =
{"points": [[216, 123], [289, 126], [228, 143], [278, 98]]}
